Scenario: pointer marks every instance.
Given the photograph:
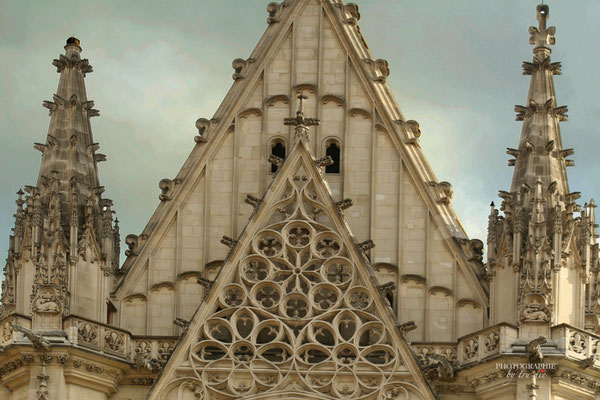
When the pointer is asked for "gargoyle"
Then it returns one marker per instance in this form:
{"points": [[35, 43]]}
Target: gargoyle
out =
{"points": [[276, 161], [439, 368], [229, 242], [407, 327], [366, 245], [207, 283], [143, 361], [324, 162], [182, 323], [36, 339], [253, 201], [344, 204], [534, 349]]}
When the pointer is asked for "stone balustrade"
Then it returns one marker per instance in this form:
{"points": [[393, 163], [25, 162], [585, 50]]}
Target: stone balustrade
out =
{"points": [[486, 343], [98, 337], [117, 342], [444, 349], [576, 343]]}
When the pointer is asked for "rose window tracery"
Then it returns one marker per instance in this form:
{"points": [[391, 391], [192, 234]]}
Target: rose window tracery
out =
{"points": [[296, 310]]}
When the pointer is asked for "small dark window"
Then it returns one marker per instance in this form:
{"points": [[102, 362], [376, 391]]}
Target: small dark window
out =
{"points": [[110, 313], [278, 149], [333, 150]]}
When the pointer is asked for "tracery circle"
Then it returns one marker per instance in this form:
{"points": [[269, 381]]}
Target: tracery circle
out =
{"points": [[266, 295], [337, 270], [296, 307], [269, 243], [232, 295], [325, 296], [326, 245], [359, 298], [298, 234], [255, 268]]}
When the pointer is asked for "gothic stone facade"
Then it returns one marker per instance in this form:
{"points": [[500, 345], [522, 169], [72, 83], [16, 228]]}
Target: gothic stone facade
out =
{"points": [[305, 249]]}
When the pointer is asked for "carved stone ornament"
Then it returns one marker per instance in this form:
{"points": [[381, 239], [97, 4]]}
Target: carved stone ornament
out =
{"points": [[46, 302], [535, 311], [241, 67], [275, 11], [297, 308]]}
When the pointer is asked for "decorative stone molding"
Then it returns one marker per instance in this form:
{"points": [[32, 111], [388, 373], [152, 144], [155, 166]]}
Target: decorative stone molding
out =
{"points": [[202, 124], [413, 132], [167, 186], [329, 98], [348, 12], [241, 68], [301, 88], [135, 243], [359, 111], [379, 69], [548, 107], [415, 278], [275, 11], [444, 192], [424, 350], [250, 111], [579, 379], [72, 61], [271, 101]]}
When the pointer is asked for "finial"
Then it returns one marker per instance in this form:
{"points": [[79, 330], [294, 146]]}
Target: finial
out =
{"points": [[73, 44], [542, 36], [301, 123]]}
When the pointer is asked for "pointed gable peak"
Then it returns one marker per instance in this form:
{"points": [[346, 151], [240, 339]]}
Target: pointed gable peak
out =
{"points": [[295, 310]]}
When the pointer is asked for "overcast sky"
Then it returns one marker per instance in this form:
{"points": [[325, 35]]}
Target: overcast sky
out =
{"points": [[160, 65]]}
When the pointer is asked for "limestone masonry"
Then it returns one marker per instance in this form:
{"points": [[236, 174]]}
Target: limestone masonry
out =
{"points": [[305, 250]]}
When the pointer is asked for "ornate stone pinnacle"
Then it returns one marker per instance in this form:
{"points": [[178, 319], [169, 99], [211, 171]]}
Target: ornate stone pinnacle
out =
{"points": [[301, 123], [542, 36]]}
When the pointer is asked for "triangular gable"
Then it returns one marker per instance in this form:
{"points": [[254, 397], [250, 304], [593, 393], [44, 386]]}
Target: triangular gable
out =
{"points": [[295, 311], [366, 72]]}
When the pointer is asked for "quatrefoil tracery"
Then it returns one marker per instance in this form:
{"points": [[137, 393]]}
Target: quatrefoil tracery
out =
{"points": [[297, 309]]}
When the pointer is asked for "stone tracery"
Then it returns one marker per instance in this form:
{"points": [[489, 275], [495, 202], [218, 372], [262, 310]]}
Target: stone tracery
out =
{"points": [[297, 315]]}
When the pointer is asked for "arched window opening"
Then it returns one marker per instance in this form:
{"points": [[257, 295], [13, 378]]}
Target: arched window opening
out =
{"points": [[333, 150], [278, 150]]}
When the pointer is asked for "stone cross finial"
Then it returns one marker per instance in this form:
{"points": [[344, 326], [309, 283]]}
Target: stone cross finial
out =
{"points": [[301, 123], [542, 36]]}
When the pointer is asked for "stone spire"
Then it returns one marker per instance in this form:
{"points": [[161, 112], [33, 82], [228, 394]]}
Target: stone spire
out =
{"points": [[540, 154], [65, 246], [542, 254], [69, 158]]}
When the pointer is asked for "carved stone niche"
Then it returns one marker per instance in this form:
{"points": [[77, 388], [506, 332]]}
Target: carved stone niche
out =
{"points": [[46, 309], [535, 310]]}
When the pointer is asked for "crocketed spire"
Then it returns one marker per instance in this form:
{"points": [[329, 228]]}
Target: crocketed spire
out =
{"points": [[65, 246], [540, 154]]}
